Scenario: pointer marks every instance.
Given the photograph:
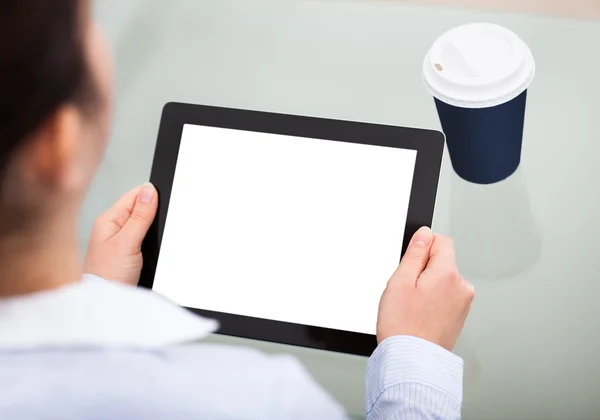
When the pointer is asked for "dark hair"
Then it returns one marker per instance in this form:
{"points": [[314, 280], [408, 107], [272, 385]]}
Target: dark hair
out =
{"points": [[42, 65]]}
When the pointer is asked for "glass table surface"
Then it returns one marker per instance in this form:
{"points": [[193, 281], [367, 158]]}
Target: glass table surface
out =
{"points": [[528, 244]]}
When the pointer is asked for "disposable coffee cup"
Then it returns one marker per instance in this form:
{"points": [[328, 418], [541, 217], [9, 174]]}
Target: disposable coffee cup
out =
{"points": [[478, 75]]}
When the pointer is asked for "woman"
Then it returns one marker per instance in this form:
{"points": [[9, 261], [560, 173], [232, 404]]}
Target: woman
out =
{"points": [[97, 349]]}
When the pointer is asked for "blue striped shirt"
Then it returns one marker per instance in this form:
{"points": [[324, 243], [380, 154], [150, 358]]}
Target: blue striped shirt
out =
{"points": [[97, 350]]}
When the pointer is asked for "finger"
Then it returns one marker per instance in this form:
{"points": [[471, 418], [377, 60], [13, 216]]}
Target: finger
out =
{"points": [[416, 257], [142, 216], [442, 255], [113, 219]]}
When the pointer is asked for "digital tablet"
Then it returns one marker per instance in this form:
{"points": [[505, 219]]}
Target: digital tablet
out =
{"points": [[285, 228]]}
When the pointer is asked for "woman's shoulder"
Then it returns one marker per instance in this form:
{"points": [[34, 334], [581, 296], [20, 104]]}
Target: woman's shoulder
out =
{"points": [[200, 380]]}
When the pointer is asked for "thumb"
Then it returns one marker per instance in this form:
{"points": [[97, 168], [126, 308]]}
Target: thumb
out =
{"points": [[142, 216], [416, 257]]}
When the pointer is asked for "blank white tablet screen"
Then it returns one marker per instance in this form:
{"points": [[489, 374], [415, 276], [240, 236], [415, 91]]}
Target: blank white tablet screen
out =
{"points": [[284, 228]]}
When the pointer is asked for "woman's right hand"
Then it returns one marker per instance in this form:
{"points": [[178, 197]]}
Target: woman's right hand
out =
{"points": [[426, 297]]}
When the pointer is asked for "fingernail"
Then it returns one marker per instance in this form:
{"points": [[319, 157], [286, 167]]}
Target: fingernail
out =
{"points": [[147, 194], [423, 236]]}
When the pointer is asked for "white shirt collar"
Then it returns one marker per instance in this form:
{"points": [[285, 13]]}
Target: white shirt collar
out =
{"points": [[97, 313]]}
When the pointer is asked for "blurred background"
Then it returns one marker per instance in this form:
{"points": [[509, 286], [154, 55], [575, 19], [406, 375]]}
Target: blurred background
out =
{"points": [[582, 9], [527, 244]]}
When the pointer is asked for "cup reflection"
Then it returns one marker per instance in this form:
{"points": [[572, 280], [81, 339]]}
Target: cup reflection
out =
{"points": [[494, 231]]}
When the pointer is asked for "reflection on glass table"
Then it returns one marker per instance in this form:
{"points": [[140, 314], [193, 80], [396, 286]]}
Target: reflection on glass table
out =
{"points": [[528, 244], [494, 230]]}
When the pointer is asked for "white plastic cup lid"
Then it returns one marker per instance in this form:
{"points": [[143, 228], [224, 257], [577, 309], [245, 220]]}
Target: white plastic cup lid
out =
{"points": [[478, 65]]}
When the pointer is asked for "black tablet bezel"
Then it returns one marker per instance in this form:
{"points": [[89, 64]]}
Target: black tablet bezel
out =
{"points": [[429, 145]]}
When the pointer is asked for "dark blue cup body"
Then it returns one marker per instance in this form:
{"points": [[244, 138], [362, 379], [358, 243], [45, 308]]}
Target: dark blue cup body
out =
{"points": [[484, 143]]}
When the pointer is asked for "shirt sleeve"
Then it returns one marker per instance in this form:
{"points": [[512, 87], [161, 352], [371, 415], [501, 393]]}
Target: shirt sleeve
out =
{"points": [[410, 378], [92, 278]]}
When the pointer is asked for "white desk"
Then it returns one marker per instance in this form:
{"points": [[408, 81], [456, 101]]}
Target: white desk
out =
{"points": [[529, 245]]}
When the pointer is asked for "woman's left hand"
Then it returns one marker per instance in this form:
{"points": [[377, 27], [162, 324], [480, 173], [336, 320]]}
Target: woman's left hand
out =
{"points": [[115, 248]]}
